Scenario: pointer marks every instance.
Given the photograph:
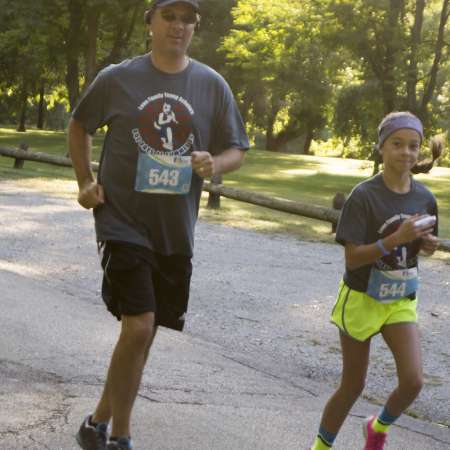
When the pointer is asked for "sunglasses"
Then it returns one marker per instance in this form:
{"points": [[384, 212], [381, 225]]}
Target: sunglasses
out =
{"points": [[187, 19]]}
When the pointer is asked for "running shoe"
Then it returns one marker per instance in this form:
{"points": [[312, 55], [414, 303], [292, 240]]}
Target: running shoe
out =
{"points": [[374, 440], [90, 437]]}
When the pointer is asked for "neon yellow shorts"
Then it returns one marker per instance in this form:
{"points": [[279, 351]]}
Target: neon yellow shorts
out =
{"points": [[361, 317]]}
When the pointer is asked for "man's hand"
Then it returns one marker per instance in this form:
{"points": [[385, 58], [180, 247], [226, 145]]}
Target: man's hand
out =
{"points": [[429, 245], [203, 164], [91, 195]]}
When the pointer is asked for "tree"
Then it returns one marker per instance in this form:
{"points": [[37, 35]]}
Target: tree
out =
{"points": [[29, 54], [401, 46], [277, 63]]}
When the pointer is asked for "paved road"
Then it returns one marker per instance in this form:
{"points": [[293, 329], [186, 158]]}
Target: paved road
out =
{"points": [[252, 370]]}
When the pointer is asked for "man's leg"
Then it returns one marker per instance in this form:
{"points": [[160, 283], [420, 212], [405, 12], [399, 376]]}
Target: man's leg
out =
{"points": [[103, 412], [127, 363]]}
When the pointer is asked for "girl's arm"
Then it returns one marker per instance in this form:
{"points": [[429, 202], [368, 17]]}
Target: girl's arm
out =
{"points": [[361, 255]]}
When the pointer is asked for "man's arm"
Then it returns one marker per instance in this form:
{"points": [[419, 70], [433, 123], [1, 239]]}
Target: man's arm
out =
{"points": [[206, 165], [80, 149]]}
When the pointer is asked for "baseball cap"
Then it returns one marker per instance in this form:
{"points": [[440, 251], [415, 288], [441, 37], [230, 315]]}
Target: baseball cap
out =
{"points": [[161, 3]]}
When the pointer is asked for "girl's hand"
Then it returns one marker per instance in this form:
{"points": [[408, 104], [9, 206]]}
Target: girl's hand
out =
{"points": [[429, 245], [409, 232]]}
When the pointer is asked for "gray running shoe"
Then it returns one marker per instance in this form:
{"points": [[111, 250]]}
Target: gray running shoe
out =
{"points": [[120, 444], [90, 437]]}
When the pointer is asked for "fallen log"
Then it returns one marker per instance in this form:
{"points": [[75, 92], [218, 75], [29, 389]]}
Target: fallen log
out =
{"points": [[278, 204], [289, 206], [40, 157]]}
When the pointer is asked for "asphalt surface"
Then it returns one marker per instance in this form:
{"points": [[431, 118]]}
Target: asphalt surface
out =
{"points": [[252, 370]]}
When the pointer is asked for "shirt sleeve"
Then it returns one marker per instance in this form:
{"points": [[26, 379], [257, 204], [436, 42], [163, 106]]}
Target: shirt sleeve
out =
{"points": [[434, 212], [229, 129], [91, 110], [352, 224]]}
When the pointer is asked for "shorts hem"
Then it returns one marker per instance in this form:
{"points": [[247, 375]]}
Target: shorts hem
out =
{"points": [[403, 322], [346, 333]]}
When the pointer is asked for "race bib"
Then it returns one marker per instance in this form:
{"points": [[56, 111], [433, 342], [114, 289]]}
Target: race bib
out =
{"points": [[163, 174], [387, 286]]}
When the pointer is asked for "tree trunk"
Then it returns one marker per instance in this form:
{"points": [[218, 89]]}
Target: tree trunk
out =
{"points": [[376, 167], [288, 134], [73, 50], [388, 83], [124, 30], [269, 132], [308, 140], [416, 39], [440, 44], [23, 107], [92, 23], [41, 107]]}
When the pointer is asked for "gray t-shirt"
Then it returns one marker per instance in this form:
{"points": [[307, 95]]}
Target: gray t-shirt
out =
{"points": [[373, 212], [152, 116]]}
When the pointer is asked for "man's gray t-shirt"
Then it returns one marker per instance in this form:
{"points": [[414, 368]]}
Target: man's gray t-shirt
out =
{"points": [[373, 212], [151, 115]]}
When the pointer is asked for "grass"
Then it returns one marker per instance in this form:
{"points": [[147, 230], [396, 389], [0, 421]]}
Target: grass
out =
{"points": [[308, 179]]}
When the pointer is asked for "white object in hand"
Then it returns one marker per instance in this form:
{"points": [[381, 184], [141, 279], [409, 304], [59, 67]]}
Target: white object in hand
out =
{"points": [[427, 221]]}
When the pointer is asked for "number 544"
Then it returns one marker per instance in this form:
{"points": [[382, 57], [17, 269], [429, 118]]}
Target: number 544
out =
{"points": [[392, 290]]}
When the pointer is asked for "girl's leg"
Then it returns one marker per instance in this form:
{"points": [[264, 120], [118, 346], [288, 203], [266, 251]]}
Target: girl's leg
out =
{"points": [[355, 360], [404, 343]]}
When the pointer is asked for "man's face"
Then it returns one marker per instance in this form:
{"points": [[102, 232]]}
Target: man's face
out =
{"points": [[172, 28]]}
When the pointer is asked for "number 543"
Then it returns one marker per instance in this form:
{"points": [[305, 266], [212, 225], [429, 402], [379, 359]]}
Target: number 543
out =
{"points": [[163, 177]]}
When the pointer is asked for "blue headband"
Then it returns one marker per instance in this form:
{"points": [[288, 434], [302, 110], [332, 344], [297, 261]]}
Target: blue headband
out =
{"points": [[396, 122]]}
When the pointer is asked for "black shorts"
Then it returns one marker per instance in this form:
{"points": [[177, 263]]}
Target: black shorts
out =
{"points": [[137, 281]]}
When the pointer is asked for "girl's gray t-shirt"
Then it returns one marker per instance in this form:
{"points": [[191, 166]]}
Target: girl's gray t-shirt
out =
{"points": [[151, 113], [373, 212]]}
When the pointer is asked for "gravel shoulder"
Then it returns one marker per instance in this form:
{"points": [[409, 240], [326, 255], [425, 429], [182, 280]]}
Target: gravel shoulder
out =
{"points": [[264, 296]]}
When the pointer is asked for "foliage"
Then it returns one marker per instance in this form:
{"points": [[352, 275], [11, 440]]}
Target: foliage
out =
{"points": [[279, 68], [403, 59], [301, 178], [301, 70]]}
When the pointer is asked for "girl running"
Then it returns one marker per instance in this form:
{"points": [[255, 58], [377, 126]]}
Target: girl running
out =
{"points": [[382, 230]]}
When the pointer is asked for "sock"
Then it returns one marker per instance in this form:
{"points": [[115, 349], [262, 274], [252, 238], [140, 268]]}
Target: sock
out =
{"points": [[96, 424], [122, 441], [92, 423], [383, 422], [324, 440]]}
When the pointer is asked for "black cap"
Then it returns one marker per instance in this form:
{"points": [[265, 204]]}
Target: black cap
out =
{"points": [[161, 3]]}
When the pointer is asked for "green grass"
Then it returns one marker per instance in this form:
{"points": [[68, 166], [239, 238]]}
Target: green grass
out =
{"points": [[306, 179]]}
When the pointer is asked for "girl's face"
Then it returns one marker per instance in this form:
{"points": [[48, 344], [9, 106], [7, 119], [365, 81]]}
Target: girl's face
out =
{"points": [[400, 150]]}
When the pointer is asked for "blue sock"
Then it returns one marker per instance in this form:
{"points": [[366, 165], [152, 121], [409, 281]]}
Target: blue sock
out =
{"points": [[387, 418], [383, 421], [326, 436]]}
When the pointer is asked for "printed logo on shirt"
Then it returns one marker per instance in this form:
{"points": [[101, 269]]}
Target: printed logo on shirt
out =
{"points": [[403, 256], [165, 125], [164, 138], [394, 277]]}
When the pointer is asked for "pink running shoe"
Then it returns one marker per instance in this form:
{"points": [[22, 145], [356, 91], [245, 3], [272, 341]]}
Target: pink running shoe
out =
{"points": [[374, 440]]}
